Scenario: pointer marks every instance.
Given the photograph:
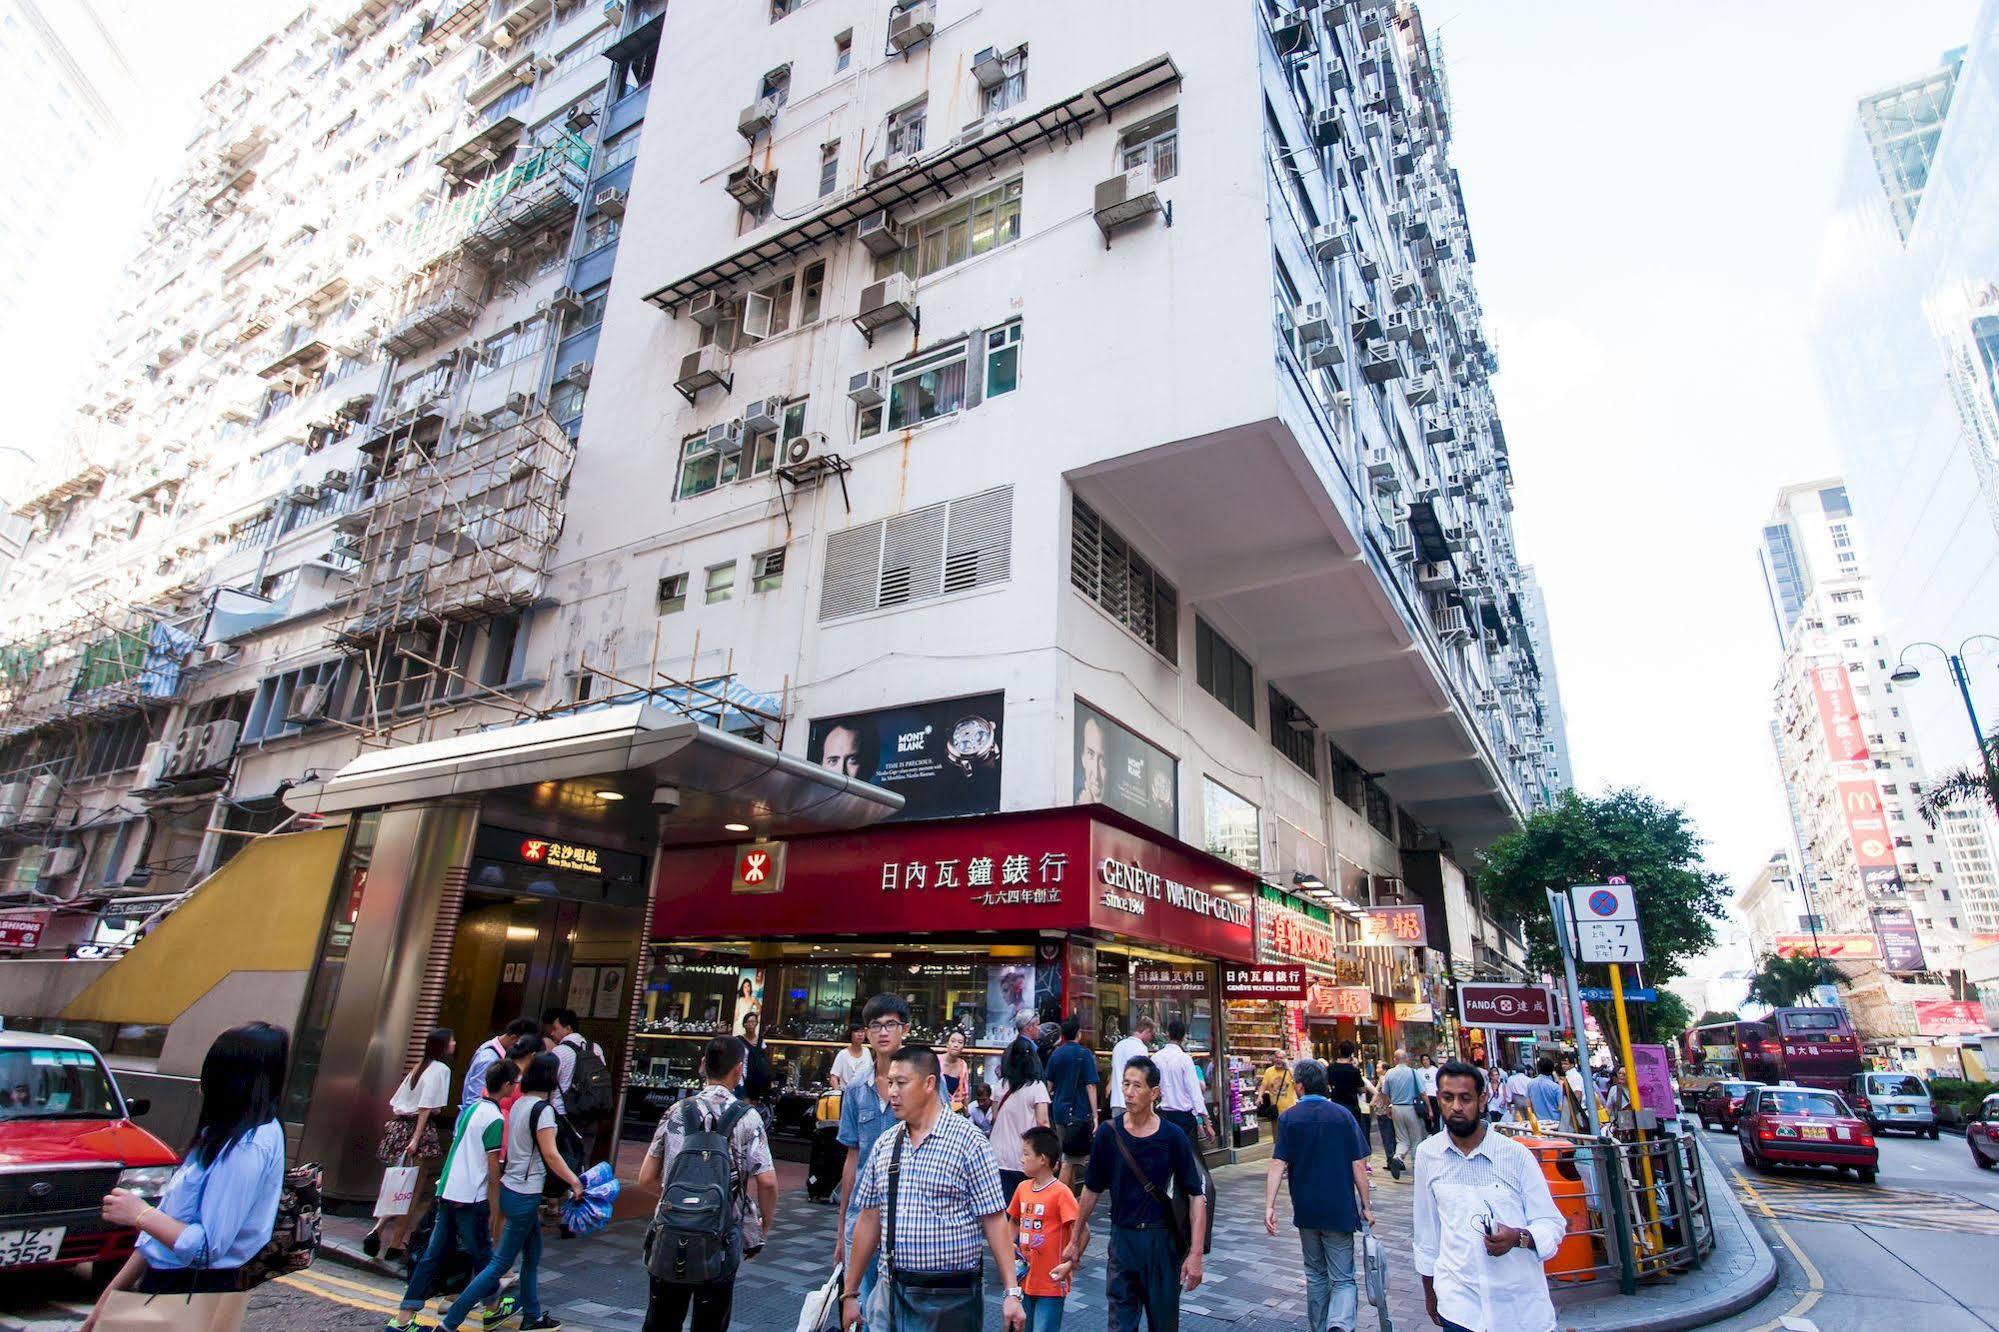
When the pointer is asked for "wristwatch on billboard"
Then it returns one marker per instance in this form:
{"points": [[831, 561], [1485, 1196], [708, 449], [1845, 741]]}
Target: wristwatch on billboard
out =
{"points": [[974, 744]]}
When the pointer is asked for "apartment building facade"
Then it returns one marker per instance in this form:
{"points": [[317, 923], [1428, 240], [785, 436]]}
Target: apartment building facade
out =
{"points": [[1009, 409]]}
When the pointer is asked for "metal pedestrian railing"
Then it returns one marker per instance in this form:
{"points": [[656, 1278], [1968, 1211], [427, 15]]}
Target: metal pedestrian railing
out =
{"points": [[1618, 1226]]}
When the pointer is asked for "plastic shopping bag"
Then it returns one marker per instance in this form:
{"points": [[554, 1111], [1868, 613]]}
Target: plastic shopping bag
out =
{"points": [[593, 1213], [398, 1189], [822, 1307]]}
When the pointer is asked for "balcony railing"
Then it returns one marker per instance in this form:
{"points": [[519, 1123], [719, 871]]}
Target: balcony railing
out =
{"points": [[544, 176]]}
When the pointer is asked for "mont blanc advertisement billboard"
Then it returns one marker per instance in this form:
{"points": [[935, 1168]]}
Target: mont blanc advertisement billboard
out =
{"points": [[941, 757], [1115, 767]]}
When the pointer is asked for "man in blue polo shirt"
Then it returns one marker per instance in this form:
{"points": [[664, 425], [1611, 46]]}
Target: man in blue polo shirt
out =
{"points": [[1319, 1147]]}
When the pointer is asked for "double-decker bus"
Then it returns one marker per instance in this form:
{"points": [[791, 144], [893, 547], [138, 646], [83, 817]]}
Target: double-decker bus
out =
{"points": [[1813, 1047]]}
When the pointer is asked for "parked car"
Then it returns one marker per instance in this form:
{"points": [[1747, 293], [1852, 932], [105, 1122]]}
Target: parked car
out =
{"points": [[1721, 1103], [67, 1139], [1892, 1101], [1982, 1134], [1805, 1126]]}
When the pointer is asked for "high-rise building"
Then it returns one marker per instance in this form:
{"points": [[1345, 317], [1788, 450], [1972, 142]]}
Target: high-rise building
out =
{"points": [[932, 411], [1908, 346], [1889, 901], [1772, 905], [1556, 770]]}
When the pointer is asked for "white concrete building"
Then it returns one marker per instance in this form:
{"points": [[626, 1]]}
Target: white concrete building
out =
{"points": [[1772, 904], [1557, 768]]}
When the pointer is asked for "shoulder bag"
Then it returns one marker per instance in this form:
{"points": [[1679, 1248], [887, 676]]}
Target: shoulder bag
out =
{"points": [[1170, 1207]]}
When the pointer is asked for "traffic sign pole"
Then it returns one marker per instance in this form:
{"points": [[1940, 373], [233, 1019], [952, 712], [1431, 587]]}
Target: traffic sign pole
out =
{"points": [[1652, 1237], [1559, 904]]}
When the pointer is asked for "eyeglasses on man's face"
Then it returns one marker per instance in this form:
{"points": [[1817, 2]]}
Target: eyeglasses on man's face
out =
{"points": [[887, 1026]]}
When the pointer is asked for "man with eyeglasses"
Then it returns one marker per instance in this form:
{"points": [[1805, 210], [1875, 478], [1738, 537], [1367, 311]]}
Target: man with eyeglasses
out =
{"points": [[865, 1114]]}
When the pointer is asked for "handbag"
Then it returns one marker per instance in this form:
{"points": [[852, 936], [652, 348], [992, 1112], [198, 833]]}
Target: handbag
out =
{"points": [[397, 1192], [132, 1311], [821, 1310], [1374, 1264]]}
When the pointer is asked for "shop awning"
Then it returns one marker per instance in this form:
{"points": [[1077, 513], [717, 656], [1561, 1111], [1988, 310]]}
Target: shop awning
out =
{"points": [[635, 749]]}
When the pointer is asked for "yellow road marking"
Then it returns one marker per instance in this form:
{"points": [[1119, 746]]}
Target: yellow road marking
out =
{"points": [[380, 1292], [1815, 1284], [320, 1292]]}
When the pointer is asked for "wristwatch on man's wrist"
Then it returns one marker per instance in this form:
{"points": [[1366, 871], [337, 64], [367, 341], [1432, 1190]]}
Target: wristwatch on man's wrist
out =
{"points": [[1012, 1293]]}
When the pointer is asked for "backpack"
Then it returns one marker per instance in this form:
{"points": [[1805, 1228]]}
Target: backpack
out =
{"points": [[569, 1145], [295, 1232], [589, 1095], [697, 1234]]}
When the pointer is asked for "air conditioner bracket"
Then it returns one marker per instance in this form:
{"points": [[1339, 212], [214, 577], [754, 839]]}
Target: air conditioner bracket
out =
{"points": [[816, 469]]}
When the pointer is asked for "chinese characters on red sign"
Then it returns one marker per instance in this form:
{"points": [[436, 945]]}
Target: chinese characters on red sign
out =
{"points": [[1348, 1001], [1845, 740], [1292, 935], [1286, 983], [1017, 879], [1162, 982], [1393, 926]]}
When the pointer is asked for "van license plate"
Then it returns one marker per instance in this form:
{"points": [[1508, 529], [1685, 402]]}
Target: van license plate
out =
{"points": [[18, 1248]]}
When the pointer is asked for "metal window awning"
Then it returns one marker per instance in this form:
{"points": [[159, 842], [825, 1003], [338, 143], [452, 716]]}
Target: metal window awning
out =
{"points": [[937, 176], [637, 42], [634, 748], [482, 145]]}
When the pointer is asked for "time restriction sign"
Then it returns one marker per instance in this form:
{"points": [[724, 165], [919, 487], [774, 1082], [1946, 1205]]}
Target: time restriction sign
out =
{"points": [[1606, 918]]}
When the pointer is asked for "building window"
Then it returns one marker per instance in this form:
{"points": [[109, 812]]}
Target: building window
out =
{"points": [[590, 308], [927, 387], [956, 546], [1224, 672], [776, 84], [811, 292], [1011, 90], [1002, 365], [670, 595], [706, 464], [984, 222], [905, 128], [1122, 583], [1154, 143], [511, 345], [602, 229], [767, 313], [843, 51], [780, 8], [1293, 733], [767, 570], [721, 583], [1842, 536], [565, 404], [829, 168]]}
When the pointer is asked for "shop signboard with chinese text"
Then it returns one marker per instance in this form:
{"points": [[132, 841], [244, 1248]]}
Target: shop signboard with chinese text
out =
{"points": [[941, 757], [1839, 715], [1844, 947], [1158, 980], [22, 929], [1487, 1005], [1341, 1001], [1046, 869], [1950, 1017], [1264, 982], [1392, 927], [1293, 935], [1115, 767], [1901, 946], [1655, 1079], [528, 862]]}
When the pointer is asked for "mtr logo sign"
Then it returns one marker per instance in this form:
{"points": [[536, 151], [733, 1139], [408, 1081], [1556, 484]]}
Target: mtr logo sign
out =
{"points": [[560, 855], [759, 868]]}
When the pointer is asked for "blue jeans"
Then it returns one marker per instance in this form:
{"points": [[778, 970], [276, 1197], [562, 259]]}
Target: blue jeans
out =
{"points": [[1044, 1313], [1332, 1299], [459, 1226], [520, 1237]]}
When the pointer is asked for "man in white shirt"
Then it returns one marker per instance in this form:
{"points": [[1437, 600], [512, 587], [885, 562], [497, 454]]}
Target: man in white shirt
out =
{"points": [[1517, 1083], [1138, 1043], [1180, 1100], [1485, 1221], [853, 1063], [1426, 1083]]}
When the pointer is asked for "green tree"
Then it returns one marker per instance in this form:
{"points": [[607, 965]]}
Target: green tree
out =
{"points": [[1714, 1015], [1960, 786], [1785, 982], [1587, 839], [1670, 1017]]}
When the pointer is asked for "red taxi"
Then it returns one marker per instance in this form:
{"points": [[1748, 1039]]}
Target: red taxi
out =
{"points": [[1721, 1103], [67, 1139], [1804, 1126]]}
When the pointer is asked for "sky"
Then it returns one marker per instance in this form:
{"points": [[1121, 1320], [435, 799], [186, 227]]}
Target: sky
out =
{"points": [[1648, 185]]}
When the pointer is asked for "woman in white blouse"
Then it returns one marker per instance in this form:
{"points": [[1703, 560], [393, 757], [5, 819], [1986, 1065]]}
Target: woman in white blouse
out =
{"points": [[413, 1137]]}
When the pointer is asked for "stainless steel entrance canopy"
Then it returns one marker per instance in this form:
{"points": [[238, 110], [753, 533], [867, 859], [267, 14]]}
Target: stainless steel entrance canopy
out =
{"points": [[632, 749]]}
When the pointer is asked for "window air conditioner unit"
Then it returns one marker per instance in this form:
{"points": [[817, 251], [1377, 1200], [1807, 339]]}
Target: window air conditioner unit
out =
{"points": [[1395, 327], [13, 796], [701, 369], [475, 423], [705, 308], [1487, 699], [1452, 626], [1126, 197], [1454, 537], [1400, 542], [889, 165], [988, 68], [218, 743], [219, 654], [578, 374], [1422, 391], [1329, 242], [153, 766], [884, 302], [756, 118], [564, 300], [1436, 576], [911, 24], [335, 481], [1293, 33], [1321, 354], [307, 706], [802, 449], [1312, 321], [725, 434], [763, 414], [1381, 363], [1381, 467], [520, 404], [1439, 430], [868, 388], [1326, 127], [305, 495], [580, 118], [880, 234], [750, 187], [43, 793], [1370, 265]]}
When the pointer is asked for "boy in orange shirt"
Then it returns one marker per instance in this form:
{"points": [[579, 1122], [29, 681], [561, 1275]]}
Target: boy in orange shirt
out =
{"points": [[1044, 1216]]}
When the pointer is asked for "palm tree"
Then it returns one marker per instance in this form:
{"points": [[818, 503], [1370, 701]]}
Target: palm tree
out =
{"points": [[1785, 982], [1956, 787]]}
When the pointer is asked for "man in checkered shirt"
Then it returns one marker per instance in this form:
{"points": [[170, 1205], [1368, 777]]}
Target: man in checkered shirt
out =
{"points": [[945, 1214]]}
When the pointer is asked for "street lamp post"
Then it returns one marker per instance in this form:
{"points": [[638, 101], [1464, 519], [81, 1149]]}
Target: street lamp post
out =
{"points": [[1904, 673]]}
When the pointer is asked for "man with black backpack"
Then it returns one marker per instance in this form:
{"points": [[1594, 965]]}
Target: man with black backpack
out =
{"points": [[584, 1093], [709, 1152]]}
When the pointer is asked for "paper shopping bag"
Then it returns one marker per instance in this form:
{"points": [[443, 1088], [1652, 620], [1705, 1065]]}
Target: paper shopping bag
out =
{"points": [[398, 1188]]}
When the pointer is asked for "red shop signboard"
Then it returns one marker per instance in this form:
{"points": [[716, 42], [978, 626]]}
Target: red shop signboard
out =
{"points": [[1287, 983], [1048, 869]]}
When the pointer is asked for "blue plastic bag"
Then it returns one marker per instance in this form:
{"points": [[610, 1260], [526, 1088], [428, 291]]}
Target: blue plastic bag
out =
{"points": [[593, 1213]]}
